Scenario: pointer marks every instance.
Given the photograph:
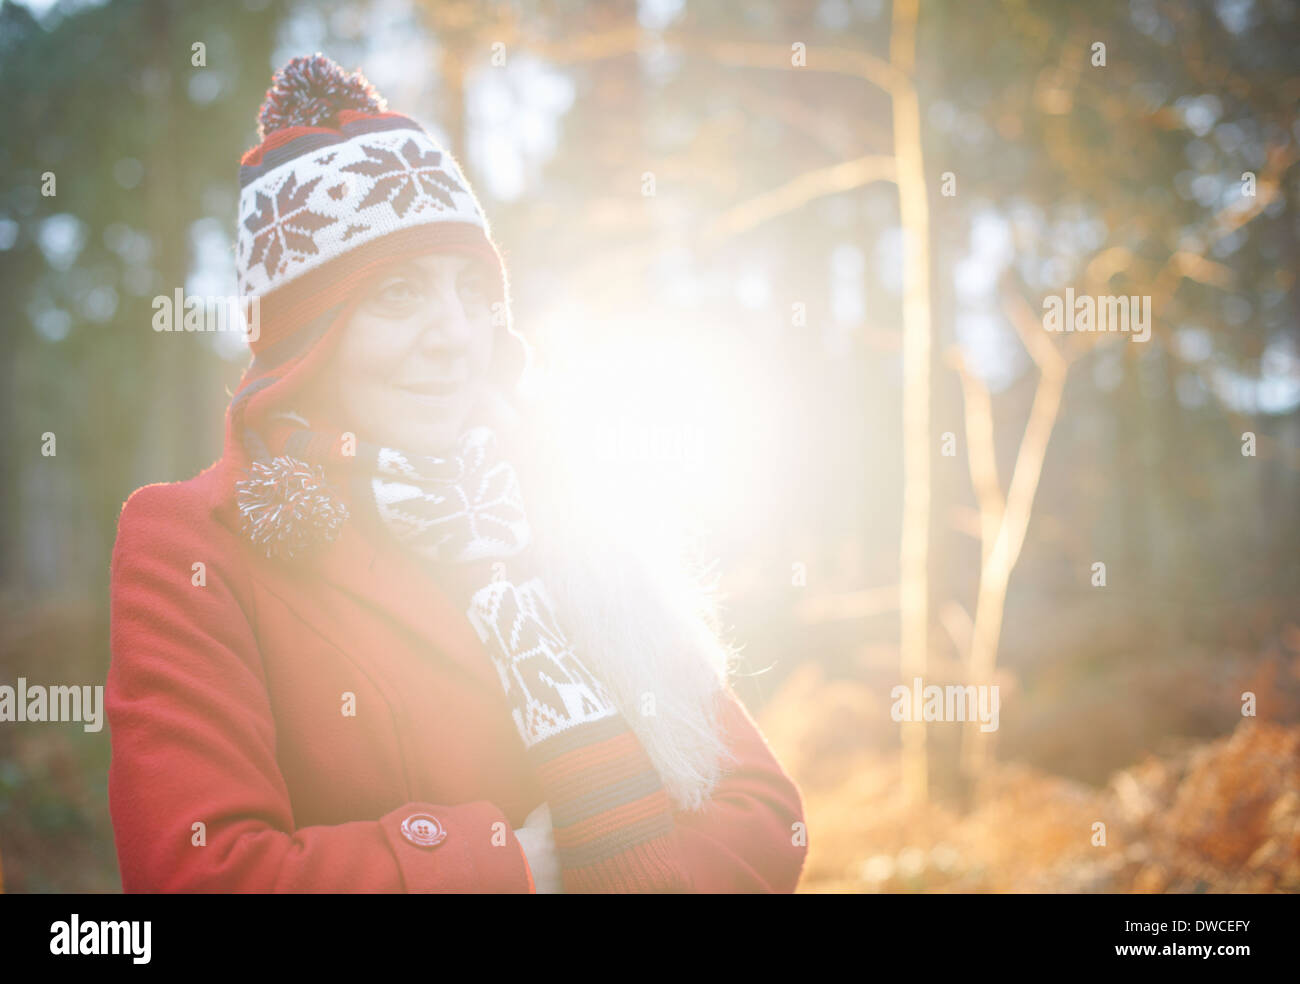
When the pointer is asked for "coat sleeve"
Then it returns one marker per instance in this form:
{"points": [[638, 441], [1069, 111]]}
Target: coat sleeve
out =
{"points": [[193, 742], [751, 836]]}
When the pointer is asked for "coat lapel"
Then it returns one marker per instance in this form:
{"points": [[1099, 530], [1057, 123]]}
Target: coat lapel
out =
{"points": [[386, 578]]}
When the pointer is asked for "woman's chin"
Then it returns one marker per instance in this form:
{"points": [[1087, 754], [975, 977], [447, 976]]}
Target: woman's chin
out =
{"points": [[433, 441], [435, 435], [422, 424]]}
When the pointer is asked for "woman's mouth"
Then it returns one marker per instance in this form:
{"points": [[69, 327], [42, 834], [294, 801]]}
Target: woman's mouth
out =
{"points": [[434, 388]]}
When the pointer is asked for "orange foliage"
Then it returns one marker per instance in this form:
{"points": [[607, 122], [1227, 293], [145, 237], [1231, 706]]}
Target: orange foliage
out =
{"points": [[1219, 817]]}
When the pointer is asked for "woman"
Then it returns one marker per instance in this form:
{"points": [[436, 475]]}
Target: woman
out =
{"points": [[381, 645]]}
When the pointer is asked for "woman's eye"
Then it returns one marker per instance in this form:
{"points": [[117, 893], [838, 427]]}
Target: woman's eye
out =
{"points": [[397, 291], [395, 298]]}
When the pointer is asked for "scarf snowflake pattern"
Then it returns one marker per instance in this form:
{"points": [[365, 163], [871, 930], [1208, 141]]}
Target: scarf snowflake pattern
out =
{"points": [[468, 509], [456, 510]]}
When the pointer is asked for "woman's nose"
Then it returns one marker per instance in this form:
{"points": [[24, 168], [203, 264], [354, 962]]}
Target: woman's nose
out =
{"points": [[447, 325]]}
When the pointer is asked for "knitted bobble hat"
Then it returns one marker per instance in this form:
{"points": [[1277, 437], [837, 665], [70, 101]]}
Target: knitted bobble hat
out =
{"points": [[337, 183], [338, 189]]}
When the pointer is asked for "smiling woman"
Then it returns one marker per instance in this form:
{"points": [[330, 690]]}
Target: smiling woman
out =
{"points": [[412, 361], [418, 661]]}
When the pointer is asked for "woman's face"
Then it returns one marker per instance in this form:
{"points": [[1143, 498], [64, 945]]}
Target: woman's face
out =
{"points": [[412, 361]]}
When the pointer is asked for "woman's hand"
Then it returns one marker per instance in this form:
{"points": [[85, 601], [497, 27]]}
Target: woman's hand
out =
{"points": [[539, 849]]}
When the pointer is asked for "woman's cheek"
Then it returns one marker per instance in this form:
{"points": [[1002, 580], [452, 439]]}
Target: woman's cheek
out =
{"points": [[388, 343]]}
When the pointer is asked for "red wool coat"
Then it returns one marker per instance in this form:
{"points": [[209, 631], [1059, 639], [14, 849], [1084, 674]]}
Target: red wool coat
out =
{"points": [[226, 709]]}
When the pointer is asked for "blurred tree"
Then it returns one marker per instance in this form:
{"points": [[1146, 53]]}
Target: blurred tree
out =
{"points": [[143, 145]]}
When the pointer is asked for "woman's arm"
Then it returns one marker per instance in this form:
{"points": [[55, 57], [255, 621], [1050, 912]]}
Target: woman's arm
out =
{"points": [[193, 742], [751, 836]]}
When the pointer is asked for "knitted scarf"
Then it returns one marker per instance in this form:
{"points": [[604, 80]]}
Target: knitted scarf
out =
{"points": [[464, 515]]}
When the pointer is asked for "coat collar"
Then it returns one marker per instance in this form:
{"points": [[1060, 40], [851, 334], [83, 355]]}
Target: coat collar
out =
{"points": [[388, 579], [370, 567]]}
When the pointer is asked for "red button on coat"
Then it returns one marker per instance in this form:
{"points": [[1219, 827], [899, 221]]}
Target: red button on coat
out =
{"points": [[423, 830]]}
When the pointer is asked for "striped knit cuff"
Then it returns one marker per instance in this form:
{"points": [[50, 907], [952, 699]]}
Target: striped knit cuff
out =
{"points": [[611, 816]]}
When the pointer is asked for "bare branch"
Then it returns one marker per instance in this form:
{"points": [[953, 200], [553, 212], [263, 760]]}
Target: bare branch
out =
{"points": [[981, 452], [836, 61], [797, 192], [1037, 343], [630, 37]]}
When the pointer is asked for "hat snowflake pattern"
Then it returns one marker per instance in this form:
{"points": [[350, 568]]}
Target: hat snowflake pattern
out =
{"points": [[337, 173]]}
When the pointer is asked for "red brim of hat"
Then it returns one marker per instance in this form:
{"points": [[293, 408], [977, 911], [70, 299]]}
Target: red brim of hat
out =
{"points": [[286, 310]]}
